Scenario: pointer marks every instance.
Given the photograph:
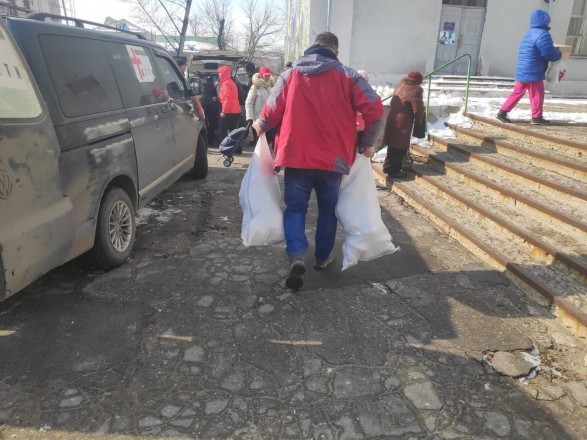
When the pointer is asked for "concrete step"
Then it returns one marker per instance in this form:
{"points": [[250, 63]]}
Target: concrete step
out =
{"points": [[547, 285], [527, 175], [486, 87], [525, 201], [516, 204], [531, 137], [534, 154], [535, 235]]}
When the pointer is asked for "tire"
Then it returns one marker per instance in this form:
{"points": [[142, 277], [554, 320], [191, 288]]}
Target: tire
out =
{"points": [[113, 247], [201, 163]]}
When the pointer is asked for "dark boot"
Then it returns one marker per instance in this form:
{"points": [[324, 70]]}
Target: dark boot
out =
{"points": [[296, 269], [539, 121], [502, 115]]}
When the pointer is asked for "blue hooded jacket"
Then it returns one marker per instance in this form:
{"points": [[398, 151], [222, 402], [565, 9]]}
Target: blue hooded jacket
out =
{"points": [[536, 49]]}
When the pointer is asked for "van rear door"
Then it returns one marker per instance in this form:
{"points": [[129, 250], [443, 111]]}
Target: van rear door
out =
{"points": [[36, 220]]}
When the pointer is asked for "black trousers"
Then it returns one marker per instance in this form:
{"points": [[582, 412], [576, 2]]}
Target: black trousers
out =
{"points": [[393, 160], [227, 123], [212, 116]]}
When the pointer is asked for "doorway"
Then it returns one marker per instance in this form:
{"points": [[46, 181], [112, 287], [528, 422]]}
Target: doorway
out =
{"points": [[460, 32]]}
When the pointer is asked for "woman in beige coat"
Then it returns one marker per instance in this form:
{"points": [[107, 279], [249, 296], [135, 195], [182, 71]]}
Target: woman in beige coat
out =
{"points": [[257, 97]]}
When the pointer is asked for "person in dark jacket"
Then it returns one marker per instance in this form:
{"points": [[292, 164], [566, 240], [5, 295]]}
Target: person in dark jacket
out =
{"points": [[536, 51], [314, 105], [211, 107], [406, 111]]}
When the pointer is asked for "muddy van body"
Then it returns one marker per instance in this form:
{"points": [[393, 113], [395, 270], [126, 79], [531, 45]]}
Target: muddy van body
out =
{"points": [[93, 125]]}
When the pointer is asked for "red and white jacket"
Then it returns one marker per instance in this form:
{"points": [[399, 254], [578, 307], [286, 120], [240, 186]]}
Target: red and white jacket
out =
{"points": [[315, 105]]}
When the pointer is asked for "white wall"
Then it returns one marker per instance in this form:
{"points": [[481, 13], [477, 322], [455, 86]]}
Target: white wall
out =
{"points": [[389, 38], [504, 29], [394, 37]]}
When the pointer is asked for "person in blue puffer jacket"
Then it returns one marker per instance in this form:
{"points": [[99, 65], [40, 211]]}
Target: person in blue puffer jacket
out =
{"points": [[536, 51]]}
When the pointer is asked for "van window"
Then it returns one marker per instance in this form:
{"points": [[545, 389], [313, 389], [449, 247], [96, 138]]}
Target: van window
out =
{"points": [[18, 99], [135, 75], [81, 75], [174, 86]]}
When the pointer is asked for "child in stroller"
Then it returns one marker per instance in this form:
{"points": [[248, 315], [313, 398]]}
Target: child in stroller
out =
{"points": [[231, 143]]}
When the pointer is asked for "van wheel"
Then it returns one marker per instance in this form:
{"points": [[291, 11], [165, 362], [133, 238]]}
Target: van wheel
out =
{"points": [[201, 162], [115, 231]]}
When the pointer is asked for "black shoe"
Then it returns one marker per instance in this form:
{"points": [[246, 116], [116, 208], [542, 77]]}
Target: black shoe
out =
{"points": [[400, 175], [539, 121], [296, 270], [503, 117]]}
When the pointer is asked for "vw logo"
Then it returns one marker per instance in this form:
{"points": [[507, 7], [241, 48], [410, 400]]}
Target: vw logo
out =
{"points": [[5, 185]]}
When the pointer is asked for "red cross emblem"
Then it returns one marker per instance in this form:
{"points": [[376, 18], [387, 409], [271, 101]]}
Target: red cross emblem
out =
{"points": [[137, 62]]}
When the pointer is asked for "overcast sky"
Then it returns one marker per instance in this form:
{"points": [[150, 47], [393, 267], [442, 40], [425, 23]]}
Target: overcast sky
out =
{"points": [[98, 10]]}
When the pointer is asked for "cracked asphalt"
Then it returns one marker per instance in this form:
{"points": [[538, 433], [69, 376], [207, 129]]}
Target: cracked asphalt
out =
{"points": [[197, 337]]}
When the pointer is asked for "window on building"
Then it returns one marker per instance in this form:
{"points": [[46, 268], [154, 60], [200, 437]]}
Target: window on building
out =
{"points": [[476, 3], [578, 29]]}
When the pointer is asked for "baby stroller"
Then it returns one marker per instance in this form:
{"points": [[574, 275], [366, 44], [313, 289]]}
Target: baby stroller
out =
{"points": [[232, 142]]}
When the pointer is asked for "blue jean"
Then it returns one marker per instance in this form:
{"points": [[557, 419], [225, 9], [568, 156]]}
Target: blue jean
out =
{"points": [[298, 188]]}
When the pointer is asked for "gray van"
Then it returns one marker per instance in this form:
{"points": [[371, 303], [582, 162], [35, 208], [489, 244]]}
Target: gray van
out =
{"points": [[93, 125]]}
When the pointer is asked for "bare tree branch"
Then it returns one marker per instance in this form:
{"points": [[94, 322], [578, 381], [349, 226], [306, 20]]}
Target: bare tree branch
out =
{"points": [[169, 17], [216, 19], [263, 29]]}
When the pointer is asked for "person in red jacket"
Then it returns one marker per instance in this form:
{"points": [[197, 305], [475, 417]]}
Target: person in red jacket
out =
{"points": [[228, 97], [314, 105]]}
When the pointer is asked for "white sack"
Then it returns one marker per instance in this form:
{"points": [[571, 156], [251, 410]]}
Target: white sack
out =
{"points": [[359, 214], [260, 197], [554, 74]]}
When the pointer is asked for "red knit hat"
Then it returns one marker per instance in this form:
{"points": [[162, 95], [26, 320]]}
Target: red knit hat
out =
{"points": [[264, 71], [416, 77]]}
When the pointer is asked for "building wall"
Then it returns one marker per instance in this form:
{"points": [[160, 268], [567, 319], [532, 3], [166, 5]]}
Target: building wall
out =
{"points": [[395, 37], [297, 33], [22, 6], [389, 38]]}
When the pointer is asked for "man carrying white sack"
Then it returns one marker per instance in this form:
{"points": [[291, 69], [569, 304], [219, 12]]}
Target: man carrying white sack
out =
{"points": [[315, 104]]}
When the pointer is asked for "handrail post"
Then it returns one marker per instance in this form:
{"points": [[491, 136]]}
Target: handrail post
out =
{"points": [[468, 80], [429, 76]]}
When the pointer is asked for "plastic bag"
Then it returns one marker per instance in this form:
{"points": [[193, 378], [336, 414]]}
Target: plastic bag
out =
{"points": [[260, 197], [554, 74], [359, 214]]}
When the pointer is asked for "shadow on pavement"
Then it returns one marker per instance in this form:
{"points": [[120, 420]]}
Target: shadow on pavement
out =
{"points": [[197, 337]]}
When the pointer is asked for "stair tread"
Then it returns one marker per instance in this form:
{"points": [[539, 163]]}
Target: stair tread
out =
{"points": [[576, 211], [534, 148], [528, 168], [534, 226], [564, 135], [551, 276]]}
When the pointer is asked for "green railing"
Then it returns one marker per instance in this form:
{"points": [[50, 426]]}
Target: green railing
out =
{"points": [[429, 76]]}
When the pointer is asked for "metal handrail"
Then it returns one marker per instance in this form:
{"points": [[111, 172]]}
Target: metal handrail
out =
{"points": [[429, 76]]}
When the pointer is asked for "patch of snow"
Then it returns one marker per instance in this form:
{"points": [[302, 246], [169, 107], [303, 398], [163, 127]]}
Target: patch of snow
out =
{"points": [[147, 214]]}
